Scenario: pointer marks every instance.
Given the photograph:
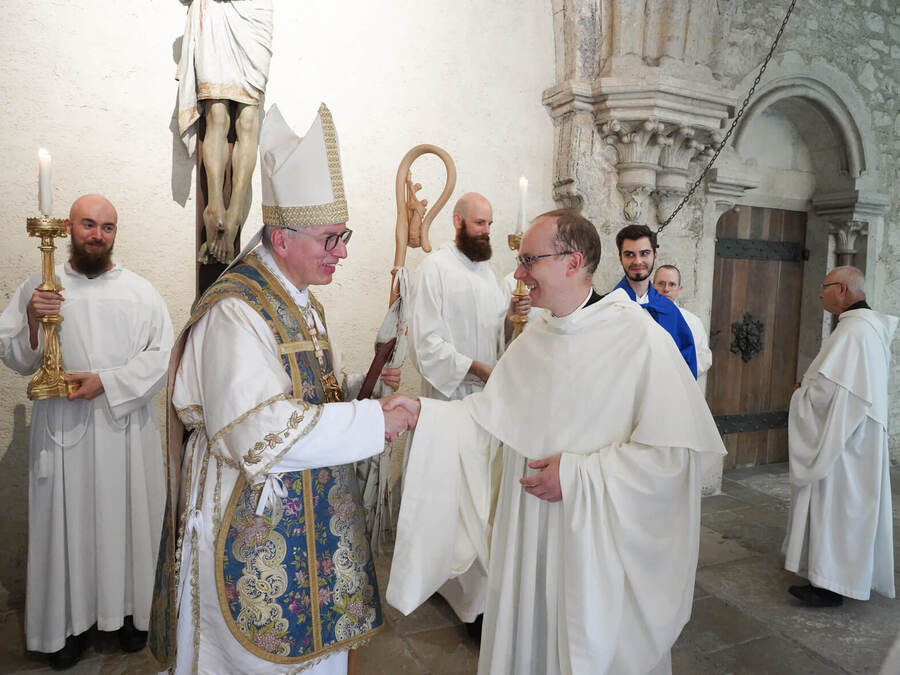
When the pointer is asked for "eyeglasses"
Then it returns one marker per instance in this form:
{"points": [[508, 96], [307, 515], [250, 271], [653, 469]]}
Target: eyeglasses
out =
{"points": [[831, 283], [331, 240], [527, 261]]}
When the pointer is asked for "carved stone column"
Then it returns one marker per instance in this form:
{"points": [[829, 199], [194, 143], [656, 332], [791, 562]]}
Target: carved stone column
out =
{"points": [[650, 99]]}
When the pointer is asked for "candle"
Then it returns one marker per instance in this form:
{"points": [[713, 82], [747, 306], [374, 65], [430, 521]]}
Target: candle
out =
{"points": [[45, 190], [523, 192]]}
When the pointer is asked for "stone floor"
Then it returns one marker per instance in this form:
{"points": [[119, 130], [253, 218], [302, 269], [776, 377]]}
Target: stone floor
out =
{"points": [[743, 620]]}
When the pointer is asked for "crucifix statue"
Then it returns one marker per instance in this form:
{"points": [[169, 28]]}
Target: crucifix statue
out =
{"points": [[224, 68]]}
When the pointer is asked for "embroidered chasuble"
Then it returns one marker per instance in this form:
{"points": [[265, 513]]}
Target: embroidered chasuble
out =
{"points": [[280, 558]]}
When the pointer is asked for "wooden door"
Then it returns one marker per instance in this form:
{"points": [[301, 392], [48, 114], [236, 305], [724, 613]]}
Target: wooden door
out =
{"points": [[754, 330]]}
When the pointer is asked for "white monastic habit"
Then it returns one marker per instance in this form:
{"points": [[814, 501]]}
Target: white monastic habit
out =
{"points": [[839, 529], [701, 340], [458, 312], [237, 406], [96, 485], [602, 581], [457, 317]]}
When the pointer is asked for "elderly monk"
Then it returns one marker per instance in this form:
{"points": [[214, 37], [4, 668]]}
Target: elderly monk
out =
{"points": [[595, 537], [839, 530]]}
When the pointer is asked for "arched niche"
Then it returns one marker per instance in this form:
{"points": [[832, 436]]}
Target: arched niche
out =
{"points": [[807, 137]]}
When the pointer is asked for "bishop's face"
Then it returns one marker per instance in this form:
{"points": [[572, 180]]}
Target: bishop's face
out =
{"points": [[637, 257], [302, 257]]}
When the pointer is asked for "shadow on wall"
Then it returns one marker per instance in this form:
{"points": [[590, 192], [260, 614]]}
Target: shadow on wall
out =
{"points": [[182, 165], [14, 524]]}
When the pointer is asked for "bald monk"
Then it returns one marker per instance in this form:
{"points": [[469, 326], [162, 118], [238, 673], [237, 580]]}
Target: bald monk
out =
{"points": [[96, 489], [460, 320], [839, 532]]}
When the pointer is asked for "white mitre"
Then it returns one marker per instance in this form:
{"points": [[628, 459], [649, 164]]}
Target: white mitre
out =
{"points": [[302, 183]]}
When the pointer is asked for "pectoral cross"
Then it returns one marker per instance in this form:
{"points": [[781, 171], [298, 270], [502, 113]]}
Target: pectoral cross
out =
{"points": [[334, 393]]}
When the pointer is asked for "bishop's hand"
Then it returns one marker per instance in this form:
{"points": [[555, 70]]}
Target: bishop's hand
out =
{"points": [[400, 414]]}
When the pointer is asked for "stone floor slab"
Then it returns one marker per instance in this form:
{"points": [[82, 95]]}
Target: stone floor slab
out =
{"points": [[746, 530], [771, 656], [716, 625], [445, 651], [856, 636], [389, 653], [716, 549]]}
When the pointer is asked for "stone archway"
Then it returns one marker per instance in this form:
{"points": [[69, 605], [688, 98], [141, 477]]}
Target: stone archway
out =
{"points": [[812, 155]]}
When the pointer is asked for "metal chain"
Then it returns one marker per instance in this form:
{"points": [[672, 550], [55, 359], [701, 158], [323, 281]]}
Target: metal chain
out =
{"points": [[734, 122]]}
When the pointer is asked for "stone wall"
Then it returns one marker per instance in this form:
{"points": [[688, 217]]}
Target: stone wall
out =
{"points": [[94, 83], [860, 40]]}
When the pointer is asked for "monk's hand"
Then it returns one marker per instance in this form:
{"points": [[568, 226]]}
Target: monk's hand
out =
{"points": [[544, 484], [400, 414], [520, 304], [391, 377], [41, 303], [89, 385]]}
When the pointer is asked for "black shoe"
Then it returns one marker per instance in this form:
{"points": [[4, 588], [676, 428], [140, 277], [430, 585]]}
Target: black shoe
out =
{"points": [[474, 628], [69, 655], [130, 638], [816, 597]]}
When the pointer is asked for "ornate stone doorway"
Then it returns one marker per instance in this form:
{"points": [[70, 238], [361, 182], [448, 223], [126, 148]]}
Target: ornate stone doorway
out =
{"points": [[755, 327]]}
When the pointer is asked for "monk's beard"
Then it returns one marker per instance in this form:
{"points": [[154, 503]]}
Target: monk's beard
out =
{"points": [[89, 263], [476, 249]]}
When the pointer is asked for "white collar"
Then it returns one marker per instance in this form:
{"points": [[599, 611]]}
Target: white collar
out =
{"points": [[300, 296]]}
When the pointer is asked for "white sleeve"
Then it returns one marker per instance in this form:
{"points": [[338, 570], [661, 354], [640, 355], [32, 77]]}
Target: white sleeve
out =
{"points": [[231, 365], [630, 512], [132, 385], [15, 339]]}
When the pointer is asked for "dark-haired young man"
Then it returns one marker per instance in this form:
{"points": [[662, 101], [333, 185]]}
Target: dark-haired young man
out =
{"points": [[637, 253]]}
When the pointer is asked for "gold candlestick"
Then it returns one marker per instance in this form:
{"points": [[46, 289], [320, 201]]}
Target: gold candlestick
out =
{"points": [[49, 381], [519, 320]]}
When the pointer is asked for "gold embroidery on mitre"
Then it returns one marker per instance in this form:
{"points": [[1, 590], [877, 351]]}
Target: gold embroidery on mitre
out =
{"points": [[316, 214]]}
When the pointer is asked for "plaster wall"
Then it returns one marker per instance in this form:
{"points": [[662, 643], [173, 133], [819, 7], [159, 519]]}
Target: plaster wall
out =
{"points": [[94, 83]]}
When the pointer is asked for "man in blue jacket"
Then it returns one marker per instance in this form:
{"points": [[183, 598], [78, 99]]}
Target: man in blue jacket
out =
{"points": [[637, 253]]}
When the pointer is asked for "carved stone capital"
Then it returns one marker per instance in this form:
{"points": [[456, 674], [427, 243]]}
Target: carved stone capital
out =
{"points": [[845, 234], [637, 142]]}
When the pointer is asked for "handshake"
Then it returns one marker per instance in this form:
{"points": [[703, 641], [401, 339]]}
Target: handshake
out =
{"points": [[400, 414]]}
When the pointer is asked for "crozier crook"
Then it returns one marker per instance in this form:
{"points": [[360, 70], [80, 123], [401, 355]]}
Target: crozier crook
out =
{"points": [[413, 220]]}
